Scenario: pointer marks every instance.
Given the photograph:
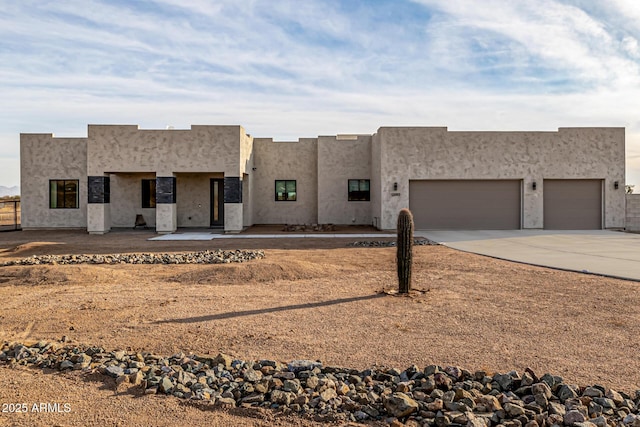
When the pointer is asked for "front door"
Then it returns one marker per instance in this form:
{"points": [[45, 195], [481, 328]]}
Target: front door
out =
{"points": [[217, 202]]}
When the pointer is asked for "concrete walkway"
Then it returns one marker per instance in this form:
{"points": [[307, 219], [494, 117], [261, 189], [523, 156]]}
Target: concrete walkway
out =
{"points": [[608, 253]]}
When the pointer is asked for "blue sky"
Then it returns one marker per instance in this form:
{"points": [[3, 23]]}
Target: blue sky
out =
{"points": [[289, 69]]}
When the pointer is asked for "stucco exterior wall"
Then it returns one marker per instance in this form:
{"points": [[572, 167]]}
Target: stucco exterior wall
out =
{"points": [[285, 160], [247, 203], [43, 157], [246, 174], [126, 200], [125, 148], [376, 181], [193, 196], [338, 161], [632, 222], [435, 153]]}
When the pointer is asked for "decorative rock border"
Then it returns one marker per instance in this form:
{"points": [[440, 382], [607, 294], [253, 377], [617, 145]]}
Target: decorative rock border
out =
{"points": [[202, 257], [388, 244], [434, 396]]}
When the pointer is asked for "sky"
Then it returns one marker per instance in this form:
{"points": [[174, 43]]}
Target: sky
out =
{"points": [[290, 69]]}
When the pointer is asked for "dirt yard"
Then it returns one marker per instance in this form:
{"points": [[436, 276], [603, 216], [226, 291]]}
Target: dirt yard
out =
{"points": [[309, 298]]}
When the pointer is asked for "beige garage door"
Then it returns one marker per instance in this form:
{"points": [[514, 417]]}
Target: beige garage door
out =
{"points": [[572, 204], [465, 205]]}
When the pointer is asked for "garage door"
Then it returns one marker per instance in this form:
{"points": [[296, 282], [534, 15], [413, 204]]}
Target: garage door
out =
{"points": [[572, 204], [465, 205]]}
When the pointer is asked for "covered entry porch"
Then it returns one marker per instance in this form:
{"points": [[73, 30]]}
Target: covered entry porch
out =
{"points": [[166, 203]]}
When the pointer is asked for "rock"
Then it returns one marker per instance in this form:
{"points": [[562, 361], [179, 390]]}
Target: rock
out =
{"points": [[442, 381], [512, 410], [566, 392], [66, 364], [253, 399], [454, 372], [224, 360], [526, 380], [488, 403], [477, 422], [541, 389], [360, 415], [592, 392], [252, 376], [403, 387], [165, 385], [400, 405], [296, 366], [114, 371], [281, 397], [328, 394], [342, 389], [225, 402], [605, 402], [572, 417], [615, 396], [292, 386], [504, 381], [442, 420], [312, 382], [557, 408], [136, 378]]}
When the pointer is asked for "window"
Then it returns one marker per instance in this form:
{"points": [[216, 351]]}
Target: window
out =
{"points": [[63, 194], [359, 190], [148, 193], [286, 190]]}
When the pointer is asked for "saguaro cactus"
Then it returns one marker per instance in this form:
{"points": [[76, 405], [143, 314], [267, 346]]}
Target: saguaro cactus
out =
{"points": [[404, 254]]}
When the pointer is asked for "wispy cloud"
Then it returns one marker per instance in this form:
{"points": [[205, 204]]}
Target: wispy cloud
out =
{"points": [[288, 69]]}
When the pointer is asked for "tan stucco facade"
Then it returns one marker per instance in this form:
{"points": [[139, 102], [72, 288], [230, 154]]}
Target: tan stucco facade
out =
{"points": [[341, 158], [436, 153], [45, 158], [296, 160], [111, 162]]}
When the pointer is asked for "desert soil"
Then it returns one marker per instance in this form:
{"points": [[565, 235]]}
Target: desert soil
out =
{"points": [[308, 298]]}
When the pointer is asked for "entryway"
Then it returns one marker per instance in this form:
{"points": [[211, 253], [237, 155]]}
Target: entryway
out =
{"points": [[217, 203]]}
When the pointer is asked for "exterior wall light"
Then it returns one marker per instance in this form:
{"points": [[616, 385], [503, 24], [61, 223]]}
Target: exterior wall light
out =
{"points": [[616, 185], [533, 186], [395, 186]]}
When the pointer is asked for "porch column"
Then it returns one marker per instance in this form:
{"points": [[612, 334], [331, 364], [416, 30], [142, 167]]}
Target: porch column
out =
{"points": [[233, 217], [166, 212], [98, 204]]}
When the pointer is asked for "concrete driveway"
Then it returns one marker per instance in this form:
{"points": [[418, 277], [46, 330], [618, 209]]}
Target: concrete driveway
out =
{"points": [[609, 253]]}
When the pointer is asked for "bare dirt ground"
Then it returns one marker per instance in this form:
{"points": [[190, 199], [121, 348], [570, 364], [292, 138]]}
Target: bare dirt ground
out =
{"points": [[309, 298]]}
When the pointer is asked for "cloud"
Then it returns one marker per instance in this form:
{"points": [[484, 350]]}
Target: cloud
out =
{"points": [[545, 34], [318, 67]]}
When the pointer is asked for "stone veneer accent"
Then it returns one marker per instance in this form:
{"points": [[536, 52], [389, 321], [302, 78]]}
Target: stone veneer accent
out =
{"points": [[166, 189], [232, 189], [99, 189]]}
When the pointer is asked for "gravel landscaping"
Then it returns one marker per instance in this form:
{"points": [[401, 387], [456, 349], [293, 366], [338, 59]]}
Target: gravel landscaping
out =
{"points": [[389, 243], [433, 396], [202, 257]]}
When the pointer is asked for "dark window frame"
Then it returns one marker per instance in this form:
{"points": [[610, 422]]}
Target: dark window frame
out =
{"points": [[359, 195], [149, 193], [285, 194], [64, 182]]}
